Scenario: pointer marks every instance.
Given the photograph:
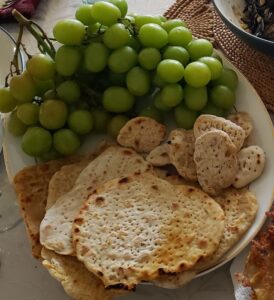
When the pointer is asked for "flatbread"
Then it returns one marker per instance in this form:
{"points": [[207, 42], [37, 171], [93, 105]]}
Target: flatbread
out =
{"points": [[206, 123], [243, 120], [159, 157], [56, 227], [142, 134], [138, 227], [216, 160], [240, 208], [181, 150]]}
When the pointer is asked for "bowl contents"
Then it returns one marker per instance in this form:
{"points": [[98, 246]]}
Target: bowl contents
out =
{"points": [[258, 18], [111, 66]]}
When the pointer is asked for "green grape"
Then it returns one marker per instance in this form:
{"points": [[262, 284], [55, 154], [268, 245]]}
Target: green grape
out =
{"points": [[159, 104], [117, 78], [149, 58], [36, 141], [117, 99], [153, 35], [50, 155], [96, 57], [179, 36], [69, 32], [116, 36], [195, 98], [177, 53], [172, 94], [28, 113], [163, 18], [199, 48], [105, 13], [133, 43], [214, 65], [41, 67], [22, 88], [170, 70], [53, 114], [228, 78], [211, 109], [15, 126], [217, 56], [158, 81], [50, 94], [115, 124], [42, 86], [67, 60], [83, 14], [100, 119], [142, 20], [151, 112], [170, 24], [93, 29], [222, 96], [122, 5], [7, 101], [197, 74], [184, 117], [123, 59], [69, 91], [130, 19], [138, 81], [65, 141], [80, 121]]}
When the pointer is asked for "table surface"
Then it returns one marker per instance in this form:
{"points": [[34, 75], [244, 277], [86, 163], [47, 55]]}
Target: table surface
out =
{"points": [[21, 274]]}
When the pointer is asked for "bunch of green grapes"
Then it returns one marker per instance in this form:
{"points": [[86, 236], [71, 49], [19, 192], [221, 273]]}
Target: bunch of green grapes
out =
{"points": [[112, 66]]}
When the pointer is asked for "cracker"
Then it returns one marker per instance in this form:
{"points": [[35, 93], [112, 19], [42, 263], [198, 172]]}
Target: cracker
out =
{"points": [[216, 161], [158, 157], [251, 162], [243, 120], [142, 134]]}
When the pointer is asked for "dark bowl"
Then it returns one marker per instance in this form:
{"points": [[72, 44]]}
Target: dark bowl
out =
{"points": [[231, 11]]}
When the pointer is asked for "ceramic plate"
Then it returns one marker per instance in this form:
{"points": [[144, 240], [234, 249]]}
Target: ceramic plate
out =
{"points": [[247, 100]]}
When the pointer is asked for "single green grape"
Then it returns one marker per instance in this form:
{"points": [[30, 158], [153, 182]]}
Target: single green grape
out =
{"points": [[83, 14], [149, 58], [172, 94], [184, 117], [228, 78], [80, 122], [36, 141], [199, 48], [153, 35], [134, 43], [222, 96], [214, 65], [170, 70], [116, 36], [69, 91], [41, 66], [100, 119], [122, 5], [179, 36], [197, 74], [115, 124], [162, 18], [22, 88], [15, 126], [141, 20], [170, 24], [138, 81], [67, 60], [7, 101], [96, 57], [66, 142], [195, 98], [93, 29], [123, 59], [211, 109], [53, 114], [177, 53], [151, 112], [69, 32], [117, 99], [105, 13], [28, 113], [50, 94], [159, 104]]}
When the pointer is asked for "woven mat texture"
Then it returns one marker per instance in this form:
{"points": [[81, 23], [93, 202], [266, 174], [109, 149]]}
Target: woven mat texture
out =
{"points": [[204, 21]]}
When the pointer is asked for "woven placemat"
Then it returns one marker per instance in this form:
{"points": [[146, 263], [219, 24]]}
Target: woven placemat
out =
{"points": [[203, 20]]}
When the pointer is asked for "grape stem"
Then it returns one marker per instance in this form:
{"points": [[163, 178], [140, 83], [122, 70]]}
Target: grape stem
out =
{"points": [[44, 43]]}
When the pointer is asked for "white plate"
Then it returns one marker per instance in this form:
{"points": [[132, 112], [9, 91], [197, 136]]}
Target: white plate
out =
{"points": [[247, 100]]}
